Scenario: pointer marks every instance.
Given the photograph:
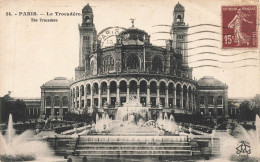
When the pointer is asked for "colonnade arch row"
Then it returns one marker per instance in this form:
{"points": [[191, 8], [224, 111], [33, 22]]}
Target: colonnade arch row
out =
{"points": [[168, 93]]}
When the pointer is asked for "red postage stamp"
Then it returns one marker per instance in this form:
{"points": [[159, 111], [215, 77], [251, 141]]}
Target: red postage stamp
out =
{"points": [[239, 27]]}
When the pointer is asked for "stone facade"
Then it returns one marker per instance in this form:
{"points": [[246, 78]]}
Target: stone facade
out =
{"points": [[159, 78], [55, 97]]}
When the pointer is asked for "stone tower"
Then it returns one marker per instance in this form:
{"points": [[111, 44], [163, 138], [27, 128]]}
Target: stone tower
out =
{"points": [[88, 36], [179, 33]]}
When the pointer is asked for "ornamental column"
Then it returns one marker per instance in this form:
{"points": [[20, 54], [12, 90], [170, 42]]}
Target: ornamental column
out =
{"points": [[166, 97], [80, 96], [85, 96], [174, 97], [181, 95], [99, 97], [138, 93], [158, 95], [194, 100], [187, 100], [117, 95], [127, 93], [191, 100], [91, 97], [52, 106], [148, 95], [108, 95], [76, 99]]}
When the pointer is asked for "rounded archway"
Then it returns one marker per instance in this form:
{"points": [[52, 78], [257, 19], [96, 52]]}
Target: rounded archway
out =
{"points": [[143, 86], [65, 101], [88, 89], [162, 88], [56, 101], [113, 87], [170, 88], [133, 62], [95, 89], [178, 95], [133, 86], [157, 64], [103, 88], [82, 90], [153, 87], [123, 86], [185, 92]]}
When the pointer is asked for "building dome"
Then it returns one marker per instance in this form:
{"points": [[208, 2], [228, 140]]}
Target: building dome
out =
{"points": [[133, 30], [209, 81], [178, 7], [87, 9], [58, 82], [133, 36]]}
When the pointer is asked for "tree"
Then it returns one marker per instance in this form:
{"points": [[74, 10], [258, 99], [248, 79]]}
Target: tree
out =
{"points": [[247, 111], [10, 106], [84, 117]]}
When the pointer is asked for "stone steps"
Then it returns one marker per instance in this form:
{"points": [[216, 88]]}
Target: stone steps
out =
{"points": [[160, 139], [133, 152], [134, 143], [133, 147]]}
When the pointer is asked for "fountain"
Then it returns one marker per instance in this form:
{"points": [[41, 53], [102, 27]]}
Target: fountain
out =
{"points": [[230, 145], [167, 124], [103, 123], [132, 108], [251, 137], [19, 147], [132, 134]]}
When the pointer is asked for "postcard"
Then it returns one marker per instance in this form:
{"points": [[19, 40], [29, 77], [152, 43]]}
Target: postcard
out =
{"points": [[129, 80]]}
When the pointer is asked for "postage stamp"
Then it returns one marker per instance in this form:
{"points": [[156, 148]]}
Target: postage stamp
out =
{"points": [[239, 27]]}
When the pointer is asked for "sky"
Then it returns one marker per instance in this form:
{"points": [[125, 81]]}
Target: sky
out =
{"points": [[32, 53]]}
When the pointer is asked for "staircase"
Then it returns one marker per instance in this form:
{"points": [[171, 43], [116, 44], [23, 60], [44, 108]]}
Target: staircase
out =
{"points": [[131, 146]]}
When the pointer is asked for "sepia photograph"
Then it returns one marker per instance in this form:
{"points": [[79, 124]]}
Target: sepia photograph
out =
{"points": [[129, 81]]}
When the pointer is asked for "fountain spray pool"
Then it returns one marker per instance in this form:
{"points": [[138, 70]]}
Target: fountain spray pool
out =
{"points": [[21, 147]]}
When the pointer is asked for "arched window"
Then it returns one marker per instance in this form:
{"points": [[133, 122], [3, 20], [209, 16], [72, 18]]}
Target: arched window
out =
{"points": [[133, 86], [211, 100], [162, 88], [133, 62], [108, 63], [170, 88], [123, 86], [95, 88], [65, 101], [220, 100], [93, 66], [82, 90], [113, 87], [153, 87], [48, 101], [202, 100], [103, 88], [179, 18], [178, 90], [87, 19], [56, 101], [157, 64], [143, 86], [88, 89], [189, 93]]}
